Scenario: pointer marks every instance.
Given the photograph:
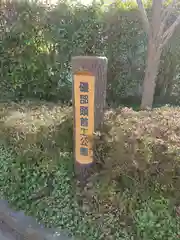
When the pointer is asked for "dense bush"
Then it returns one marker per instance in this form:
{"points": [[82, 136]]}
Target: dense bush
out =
{"points": [[140, 150], [37, 43], [148, 142]]}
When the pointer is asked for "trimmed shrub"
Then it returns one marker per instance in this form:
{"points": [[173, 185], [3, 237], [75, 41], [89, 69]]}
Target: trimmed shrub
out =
{"points": [[141, 149], [37, 131], [143, 145]]}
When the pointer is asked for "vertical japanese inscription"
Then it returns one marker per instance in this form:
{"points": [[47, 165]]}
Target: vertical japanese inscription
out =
{"points": [[84, 116]]}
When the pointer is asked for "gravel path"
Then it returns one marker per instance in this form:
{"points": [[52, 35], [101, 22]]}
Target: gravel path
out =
{"points": [[6, 233], [17, 226]]}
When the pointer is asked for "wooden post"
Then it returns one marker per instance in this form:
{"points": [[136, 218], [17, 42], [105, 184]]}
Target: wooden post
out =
{"points": [[89, 99]]}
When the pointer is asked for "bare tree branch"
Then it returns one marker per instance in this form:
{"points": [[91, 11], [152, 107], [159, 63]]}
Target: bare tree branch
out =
{"points": [[143, 15], [167, 11], [169, 32], [165, 15], [156, 18]]}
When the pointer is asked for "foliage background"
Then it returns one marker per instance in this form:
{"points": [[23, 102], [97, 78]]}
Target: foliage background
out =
{"points": [[37, 42]]}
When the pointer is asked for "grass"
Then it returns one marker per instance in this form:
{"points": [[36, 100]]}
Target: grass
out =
{"points": [[37, 175]]}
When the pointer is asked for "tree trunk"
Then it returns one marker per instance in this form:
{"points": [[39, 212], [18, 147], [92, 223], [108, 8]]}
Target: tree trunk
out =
{"points": [[152, 66], [158, 37]]}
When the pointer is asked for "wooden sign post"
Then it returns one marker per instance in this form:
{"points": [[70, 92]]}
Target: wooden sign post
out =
{"points": [[89, 98]]}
